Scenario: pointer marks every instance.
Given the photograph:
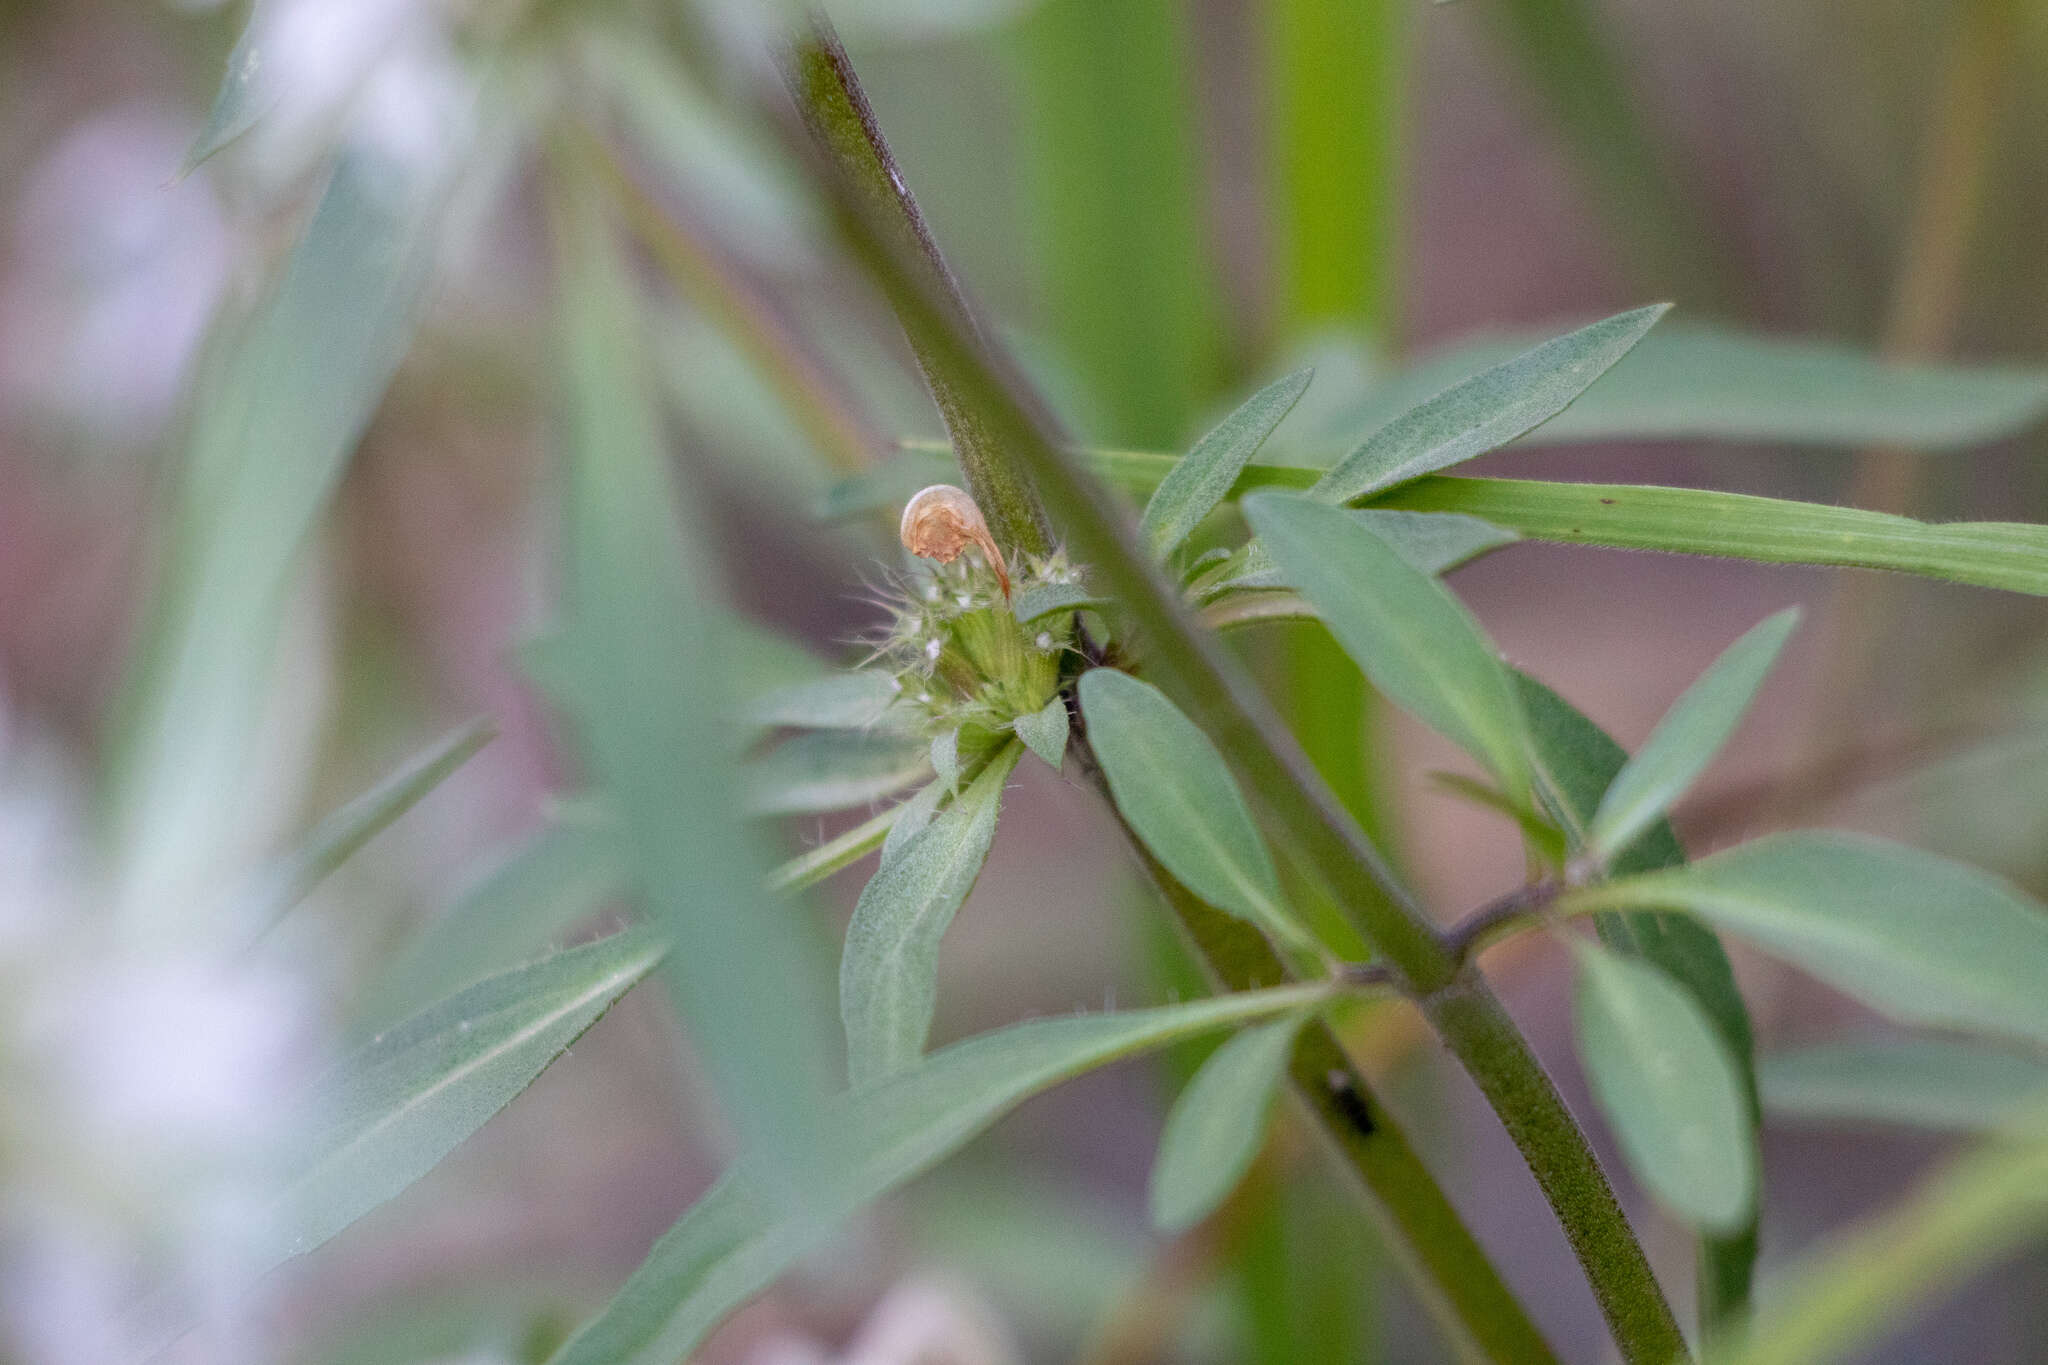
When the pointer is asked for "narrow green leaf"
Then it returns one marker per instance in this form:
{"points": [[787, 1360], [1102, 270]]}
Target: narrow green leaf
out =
{"points": [[272, 431], [1047, 598], [336, 839], [1199, 481], [917, 813], [1178, 796], [830, 770], [736, 1239], [1668, 1087], [1916, 937], [1576, 763], [1045, 732], [1218, 1124], [1942, 1084], [1973, 1213], [1488, 410], [389, 1113], [1415, 640], [1688, 737], [246, 93], [531, 898], [888, 977], [858, 699], [638, 673], [1692, 521], [1692, 382]]}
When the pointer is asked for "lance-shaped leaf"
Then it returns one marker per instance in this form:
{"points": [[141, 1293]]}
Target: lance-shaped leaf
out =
{"points": [[1937, 1083], [1688, 737], [272, 430], [1415, 640], [1216, 1126], [858, 699], [1916, 937], [1177, 795], [1488, 410], [1577, 762], [343, 832], [389, 1113], [829, 770], [1692, 521], [1045, 732], [735, 1240], [1668, 1087], [637, 672], [889, 975], [1194, 486], [1691, 382]]}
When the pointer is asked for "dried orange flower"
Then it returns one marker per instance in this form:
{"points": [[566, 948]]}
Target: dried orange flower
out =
{"points": [[941, 521]]}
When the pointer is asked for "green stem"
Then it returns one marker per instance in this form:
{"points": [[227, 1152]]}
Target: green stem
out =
{"points": [[1460, 1284], [836, 114], [1221, 697]]}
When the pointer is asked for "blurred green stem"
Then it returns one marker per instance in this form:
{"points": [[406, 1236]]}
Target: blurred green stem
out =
{"points": [[1926, 303], [708, 278], [1221, 697]]}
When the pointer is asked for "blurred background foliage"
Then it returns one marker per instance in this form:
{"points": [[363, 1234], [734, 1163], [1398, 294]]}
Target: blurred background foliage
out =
{"points": [[1160, 203]]}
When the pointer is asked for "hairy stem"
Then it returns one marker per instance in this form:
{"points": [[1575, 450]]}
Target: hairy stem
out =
{"points": [[1221, 697], [1459, 1283], [835, 112]]}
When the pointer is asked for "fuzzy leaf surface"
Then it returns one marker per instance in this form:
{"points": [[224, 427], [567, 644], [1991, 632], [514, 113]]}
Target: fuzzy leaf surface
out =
{"points": [[1203, 478], [1488, 410]]}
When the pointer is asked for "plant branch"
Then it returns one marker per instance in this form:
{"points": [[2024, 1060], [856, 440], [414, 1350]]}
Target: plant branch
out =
{"points": [[1461, 1285], [836, 114], [1531, 898], [1221, 697]]}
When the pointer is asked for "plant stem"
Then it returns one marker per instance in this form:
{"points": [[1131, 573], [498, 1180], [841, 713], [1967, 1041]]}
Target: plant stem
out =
{"points": [[1221, 697], [1461, 1286], [836, 114]]}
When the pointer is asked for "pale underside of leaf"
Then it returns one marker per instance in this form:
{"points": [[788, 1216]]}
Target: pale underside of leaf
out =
{"points": [[1218, 1123], [888, 976], [1668, 1087]]}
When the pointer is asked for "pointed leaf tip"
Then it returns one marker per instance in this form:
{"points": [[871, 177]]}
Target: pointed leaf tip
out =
{"points": [[1488, 410], [1686, 740], [1203, 478]]}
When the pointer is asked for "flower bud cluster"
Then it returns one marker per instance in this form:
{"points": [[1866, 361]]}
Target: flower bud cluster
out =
{"points": [[959, 653]]}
